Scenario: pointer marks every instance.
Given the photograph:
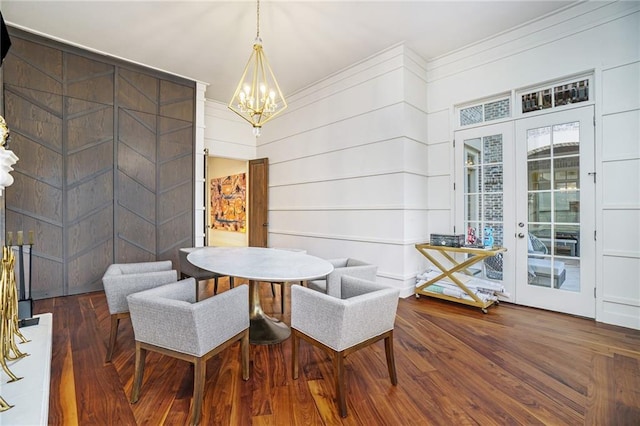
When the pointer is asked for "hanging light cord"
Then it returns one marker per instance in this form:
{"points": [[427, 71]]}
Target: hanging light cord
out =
{"points": [[258, 20]]}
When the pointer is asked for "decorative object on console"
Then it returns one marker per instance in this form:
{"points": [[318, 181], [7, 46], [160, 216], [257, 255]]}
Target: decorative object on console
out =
{"points": [[488, 237], [9, 329], [447, 240], [257, 98], [25, 302], [7, 157]]}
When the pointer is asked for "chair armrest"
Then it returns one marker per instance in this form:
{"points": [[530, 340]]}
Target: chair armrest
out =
{"points": [[221, 317], [334, 279], [369, 315], [118, 287], [317, 314], [338, 263], [141, 267], [354, 286]]}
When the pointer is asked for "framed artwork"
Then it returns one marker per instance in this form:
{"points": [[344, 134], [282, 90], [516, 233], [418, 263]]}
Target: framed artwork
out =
{"points": [[228, 203]]}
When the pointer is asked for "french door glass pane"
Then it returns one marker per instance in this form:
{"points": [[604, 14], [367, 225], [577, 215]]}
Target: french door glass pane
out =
{"points": [[554, 206], [484, 198]]}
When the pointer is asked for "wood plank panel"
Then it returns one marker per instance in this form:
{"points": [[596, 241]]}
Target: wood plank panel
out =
{"points": [[175, 186], [137, 155], [82, 123], [34, 109], [89, 79], [137, 91], [177, 100], [34, 66], [36, 134]]}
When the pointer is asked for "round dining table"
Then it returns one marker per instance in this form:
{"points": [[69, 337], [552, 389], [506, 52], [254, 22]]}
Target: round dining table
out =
{"points": [[258, 264]]}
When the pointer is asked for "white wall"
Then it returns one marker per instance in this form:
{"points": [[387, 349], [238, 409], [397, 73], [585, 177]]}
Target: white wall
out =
{"points": [[619, 189], [199, 160], [226, 135], [357, 169], [592, 36], [347, 175]]}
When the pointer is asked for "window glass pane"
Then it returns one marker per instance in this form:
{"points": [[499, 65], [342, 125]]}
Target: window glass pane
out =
{"points": [[471, 115], [566, 172], [492, 178], [496, 110], [539, 175], [492, 149], [492, 207], [567, 240], [472, 183], [473, 207], [567, 206], [540, 206], [538, 142]]}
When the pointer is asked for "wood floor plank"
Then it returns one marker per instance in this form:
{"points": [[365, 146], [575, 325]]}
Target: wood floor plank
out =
{"points": [[514, 365], [626, 373]]}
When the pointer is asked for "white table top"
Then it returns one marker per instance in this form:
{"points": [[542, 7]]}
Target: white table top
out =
{"points": [[260, 264]]}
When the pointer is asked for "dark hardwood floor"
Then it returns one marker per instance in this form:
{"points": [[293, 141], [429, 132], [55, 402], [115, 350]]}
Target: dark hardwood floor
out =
{"points": [[456, 366]]}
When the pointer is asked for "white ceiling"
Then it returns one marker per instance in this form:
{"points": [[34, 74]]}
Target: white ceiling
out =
{"points": [[304, 40]]}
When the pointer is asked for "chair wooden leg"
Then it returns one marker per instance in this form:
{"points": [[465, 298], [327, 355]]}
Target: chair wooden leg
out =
{"points": [[215, 285], [391, 362], [141, 355], [338, 362], [282, 286], [113, 334], [244, 348], [231, 282], [294, 354], [273, 289], [199, 374]]}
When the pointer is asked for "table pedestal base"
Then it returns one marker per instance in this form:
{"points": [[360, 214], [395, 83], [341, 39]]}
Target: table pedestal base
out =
{"points": [[267, 331], [263, 330]]}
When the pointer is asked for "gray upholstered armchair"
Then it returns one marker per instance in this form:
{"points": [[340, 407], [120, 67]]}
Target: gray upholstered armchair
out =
{"points": [[343, 266], [188, 269], [122, 279], [365, 314], [167, 320]]}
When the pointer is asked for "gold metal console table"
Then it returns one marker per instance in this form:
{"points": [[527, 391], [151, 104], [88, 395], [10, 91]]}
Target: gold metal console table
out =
{"points": [[449, 266]]}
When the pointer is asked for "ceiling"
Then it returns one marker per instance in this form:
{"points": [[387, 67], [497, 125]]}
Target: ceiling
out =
{"points": [[305, 41]]}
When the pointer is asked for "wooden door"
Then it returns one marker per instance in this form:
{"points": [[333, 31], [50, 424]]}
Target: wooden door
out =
{"points": [[258, 202]]}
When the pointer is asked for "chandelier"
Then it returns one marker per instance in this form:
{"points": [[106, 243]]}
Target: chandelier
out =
{"points": [[257, 98]]}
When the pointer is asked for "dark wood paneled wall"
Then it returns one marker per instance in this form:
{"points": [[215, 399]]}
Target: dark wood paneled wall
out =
{"points": [[106, 162]]}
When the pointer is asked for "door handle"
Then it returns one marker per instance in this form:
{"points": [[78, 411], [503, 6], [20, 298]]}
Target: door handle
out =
{"points": [[520, 235], [265, 224]]}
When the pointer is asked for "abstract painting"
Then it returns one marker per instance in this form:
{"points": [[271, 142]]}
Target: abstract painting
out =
{"points": [[228, 203]]}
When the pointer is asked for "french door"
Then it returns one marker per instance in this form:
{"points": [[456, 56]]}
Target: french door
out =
{"points": [[555, 211], [485, 201], [526, 185]]}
